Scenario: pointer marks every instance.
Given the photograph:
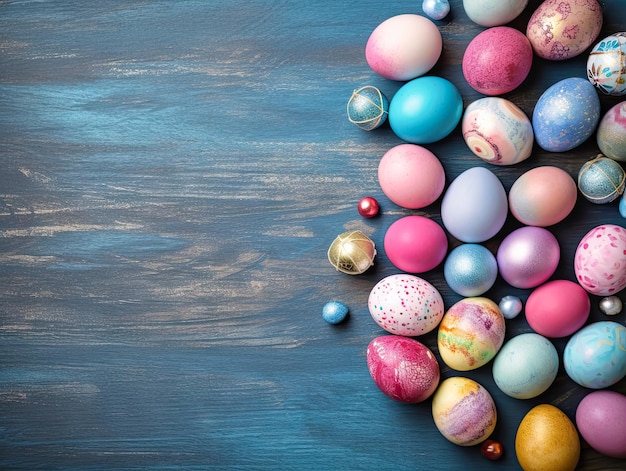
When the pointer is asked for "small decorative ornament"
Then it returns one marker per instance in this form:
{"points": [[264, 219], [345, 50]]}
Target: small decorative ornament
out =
{"points": [[622, 206], [605, 65], [601, 180], [352, 253], [611, 305], [334, 312], [436, 9], [491, 449], [368, 207], [510, 306], [368, 108]]}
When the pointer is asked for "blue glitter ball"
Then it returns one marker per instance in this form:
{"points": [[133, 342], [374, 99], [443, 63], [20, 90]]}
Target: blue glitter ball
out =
{"points": [[601, 180], [368, 108], [510, 306], [334, 312], [436, 9], [470, 270]]}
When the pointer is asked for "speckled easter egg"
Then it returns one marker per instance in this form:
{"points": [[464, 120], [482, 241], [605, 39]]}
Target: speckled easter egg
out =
{"points": [[463, 410], [543, 196], [601, 180], [367, 108], [562, 29], [493, 12], [411, 176], [611, 133], [595, 356], [600, 260], [404, 304], [526, 366], [470, 333], [600, 419], [497, 60], [402, 368], [404, 47], [497, 131], [470, 269], [415, 244], [557, 308], [528, 256], [606, 65], [475, 206], [566, 115]]}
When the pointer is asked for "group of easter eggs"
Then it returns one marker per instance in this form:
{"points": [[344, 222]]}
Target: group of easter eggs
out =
{"points": [[471, 333]]}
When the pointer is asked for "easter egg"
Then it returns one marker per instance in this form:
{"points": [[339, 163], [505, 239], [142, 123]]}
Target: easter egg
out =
{"points": [[352, 252], [497, 60], [497, 131], [600, 419], [526, 366], [601, 180], [425, 110], [367, 108], [415, 244], [463, 410], [411, 176], [404, 369], [470, 333], [403, 47], [546, 439], [436, 9], [470, 269], [600, 260], [562, 29], [595, 356], [543, 196], [493, 12], [404, 304], [611, 133], [566, 114], [606, 65], [528, 256], [474, 207], [557, 308]]}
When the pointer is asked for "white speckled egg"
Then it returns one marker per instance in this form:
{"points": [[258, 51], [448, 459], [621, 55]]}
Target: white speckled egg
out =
{"points": [[497, 131], [611, 135], [606, 65], [406, 305], [493, 12]]}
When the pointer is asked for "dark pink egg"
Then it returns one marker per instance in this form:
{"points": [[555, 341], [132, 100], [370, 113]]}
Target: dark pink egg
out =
{"points": [[497, 60], [403, 368]]}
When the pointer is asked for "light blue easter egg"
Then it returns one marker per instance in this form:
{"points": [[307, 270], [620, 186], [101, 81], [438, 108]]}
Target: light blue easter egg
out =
{"points": [[566, 115], [470, 270], [595, 356], [526, 366], [334, 312], [622, 206]]}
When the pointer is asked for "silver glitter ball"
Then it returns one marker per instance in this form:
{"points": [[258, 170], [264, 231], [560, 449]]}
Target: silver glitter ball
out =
{"points": [[611, 305]]}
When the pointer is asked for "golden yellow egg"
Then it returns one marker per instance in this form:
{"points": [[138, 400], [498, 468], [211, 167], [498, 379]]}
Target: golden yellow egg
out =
{"points": [[547, 440], [352, 252]]}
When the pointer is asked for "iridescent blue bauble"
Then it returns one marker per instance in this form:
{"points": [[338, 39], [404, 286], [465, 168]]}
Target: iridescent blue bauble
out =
{"points": [[436, 9], [334, 312], [470, 270], [368, 108], [601, 180], [510, 306]]}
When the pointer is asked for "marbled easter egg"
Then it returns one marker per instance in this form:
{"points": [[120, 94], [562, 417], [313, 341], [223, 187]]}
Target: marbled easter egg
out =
{"points": [[562, 29], [611, 135], [470, 333], [497, 131], [606, 65]]}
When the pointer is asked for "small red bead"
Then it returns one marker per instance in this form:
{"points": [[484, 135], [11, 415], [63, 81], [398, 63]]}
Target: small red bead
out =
{"points": [[368, 207], [491, 449]]}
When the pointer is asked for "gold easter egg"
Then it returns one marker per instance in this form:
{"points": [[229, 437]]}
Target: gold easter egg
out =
{"points": [[352, 252]]}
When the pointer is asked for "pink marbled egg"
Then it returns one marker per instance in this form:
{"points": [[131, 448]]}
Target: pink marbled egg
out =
{"points": [[600, 260]]}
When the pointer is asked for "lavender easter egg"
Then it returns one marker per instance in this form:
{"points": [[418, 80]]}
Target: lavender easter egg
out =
{"points": [[611, 134], [402, 368], [566, 114], [600, 418], [606, 65], [497, 131]]}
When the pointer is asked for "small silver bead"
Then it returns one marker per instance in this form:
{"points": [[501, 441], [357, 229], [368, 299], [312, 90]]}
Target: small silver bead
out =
{"points": [[611, 305], [510, 306]]}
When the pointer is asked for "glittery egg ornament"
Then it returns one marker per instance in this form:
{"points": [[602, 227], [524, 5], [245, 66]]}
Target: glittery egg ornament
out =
{"points": [[606, 65], [352, 252], [470, 269], [601, 180], [611, 134], [367, 108]]}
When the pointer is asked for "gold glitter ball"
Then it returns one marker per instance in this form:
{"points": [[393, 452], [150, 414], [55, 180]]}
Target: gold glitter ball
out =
{"points": [[352, 252]]}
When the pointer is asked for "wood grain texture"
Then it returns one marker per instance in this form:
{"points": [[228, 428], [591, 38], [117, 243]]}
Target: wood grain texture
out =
{"points": [[172, 174]]}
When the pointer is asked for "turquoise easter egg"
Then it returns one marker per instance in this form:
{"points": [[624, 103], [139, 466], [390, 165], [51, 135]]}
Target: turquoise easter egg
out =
{"points": [[601, 180], [367, 108]]}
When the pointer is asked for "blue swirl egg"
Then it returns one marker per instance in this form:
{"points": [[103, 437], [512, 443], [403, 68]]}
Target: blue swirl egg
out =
{"points": [[566, 115], [470, 270]]}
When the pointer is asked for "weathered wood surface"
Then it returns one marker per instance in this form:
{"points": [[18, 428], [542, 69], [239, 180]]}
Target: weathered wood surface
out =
{"points": [[172, 174]]}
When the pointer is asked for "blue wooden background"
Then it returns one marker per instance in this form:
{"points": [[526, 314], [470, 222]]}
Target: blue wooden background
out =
{"points": [[171, 176]]}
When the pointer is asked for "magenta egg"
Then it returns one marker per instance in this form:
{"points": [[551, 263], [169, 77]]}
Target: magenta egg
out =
{"points": [[557, 308], [528, 256], [403, 368], [600, 418], [497, 60], [415, 244]]}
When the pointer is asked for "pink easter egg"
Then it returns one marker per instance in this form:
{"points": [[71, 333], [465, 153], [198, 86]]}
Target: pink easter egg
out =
{"points": [[600, 418], [411, 176], [600, 260], [497, 60]]}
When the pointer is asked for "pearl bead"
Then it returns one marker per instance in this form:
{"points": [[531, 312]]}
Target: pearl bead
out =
{"points": [[491, 449], [436, 9], [368, 207], [334, 312], [510, 306], [611, 305]]}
